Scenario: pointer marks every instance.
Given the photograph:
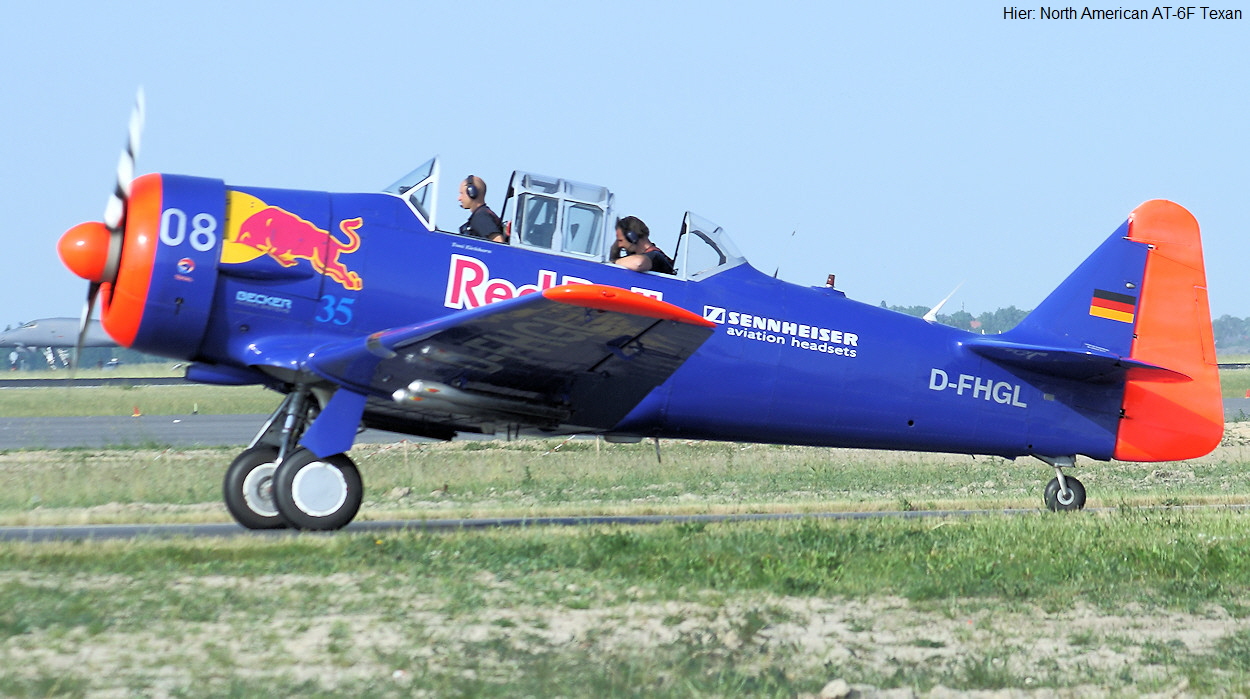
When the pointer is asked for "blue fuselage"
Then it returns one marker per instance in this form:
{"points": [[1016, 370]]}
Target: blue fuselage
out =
{"points": [[786, 364]]}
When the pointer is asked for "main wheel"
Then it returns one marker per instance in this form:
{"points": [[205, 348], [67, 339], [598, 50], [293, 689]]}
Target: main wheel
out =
{"points": [[248, 489], [317, 494], [1055, 499]]}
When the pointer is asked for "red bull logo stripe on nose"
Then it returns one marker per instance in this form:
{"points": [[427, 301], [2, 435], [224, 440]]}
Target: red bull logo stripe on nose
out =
{"points": [[256, 228]]}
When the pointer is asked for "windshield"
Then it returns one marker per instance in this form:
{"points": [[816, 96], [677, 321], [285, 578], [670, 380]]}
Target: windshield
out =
{"points": [[420, 189], [704, 249]]}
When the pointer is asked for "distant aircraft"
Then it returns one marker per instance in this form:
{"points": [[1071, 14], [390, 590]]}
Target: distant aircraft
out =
{"points": [[52, 339], [56, 332], [363, 313]]}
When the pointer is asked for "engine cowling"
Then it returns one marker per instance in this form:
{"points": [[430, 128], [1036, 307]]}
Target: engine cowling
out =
{"points": [[156, 292]]}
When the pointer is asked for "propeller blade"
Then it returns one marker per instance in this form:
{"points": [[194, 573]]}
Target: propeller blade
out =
{"points": [[115, 210], [92, 292], [90, 267]]}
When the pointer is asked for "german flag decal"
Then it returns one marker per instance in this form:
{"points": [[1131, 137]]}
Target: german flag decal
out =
{"points": [[1113, 306]]}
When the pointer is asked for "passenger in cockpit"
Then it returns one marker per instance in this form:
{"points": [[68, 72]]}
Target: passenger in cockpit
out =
{"points": [[633, 248], [482, 223]]}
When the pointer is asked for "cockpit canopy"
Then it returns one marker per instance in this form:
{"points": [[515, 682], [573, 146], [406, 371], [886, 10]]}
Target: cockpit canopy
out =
{"points": [[572, 219], [550, 213]]}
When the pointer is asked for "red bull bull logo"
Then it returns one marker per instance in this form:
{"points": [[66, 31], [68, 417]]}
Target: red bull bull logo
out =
{"points": [[287, 239]]}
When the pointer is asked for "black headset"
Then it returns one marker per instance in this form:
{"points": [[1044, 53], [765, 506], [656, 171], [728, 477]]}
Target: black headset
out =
{"points": [[469, 188], [630, 234]]}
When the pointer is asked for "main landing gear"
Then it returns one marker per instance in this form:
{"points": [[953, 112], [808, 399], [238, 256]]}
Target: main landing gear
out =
{"points": [[274, 483], [1063, 492]]}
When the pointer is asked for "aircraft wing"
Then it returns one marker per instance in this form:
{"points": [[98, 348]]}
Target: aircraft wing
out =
{"points": [[574, 356]]}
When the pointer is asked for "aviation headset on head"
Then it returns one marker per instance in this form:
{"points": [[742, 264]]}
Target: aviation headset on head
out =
{"points": [[470, 188], [630, 234]]}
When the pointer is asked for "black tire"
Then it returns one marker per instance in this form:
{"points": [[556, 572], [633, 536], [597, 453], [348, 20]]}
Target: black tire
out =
{"points": [[1056, 503], [248, 489], [317, 494]]}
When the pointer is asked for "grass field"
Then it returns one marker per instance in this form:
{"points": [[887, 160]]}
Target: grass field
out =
{"points": [[1235, 383], [1128, 601], [1146, 597], [67, 401]]}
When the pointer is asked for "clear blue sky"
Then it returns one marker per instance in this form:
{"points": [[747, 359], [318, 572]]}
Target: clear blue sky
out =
{"points": [[912, 146]]}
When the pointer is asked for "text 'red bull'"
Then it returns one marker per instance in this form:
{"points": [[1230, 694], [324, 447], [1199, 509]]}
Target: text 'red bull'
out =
{"points": [[469, 284], [287, 238]]}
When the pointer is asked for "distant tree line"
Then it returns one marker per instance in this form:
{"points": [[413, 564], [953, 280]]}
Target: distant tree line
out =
{"points": [[1232, 334], [988, 323]]}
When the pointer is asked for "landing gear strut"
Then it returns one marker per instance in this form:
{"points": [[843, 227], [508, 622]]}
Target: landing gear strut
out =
{"points": [[275, 483], [1063, 492]]}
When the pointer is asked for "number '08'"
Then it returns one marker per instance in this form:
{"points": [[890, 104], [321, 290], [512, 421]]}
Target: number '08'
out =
{"points": [[203, 233]]}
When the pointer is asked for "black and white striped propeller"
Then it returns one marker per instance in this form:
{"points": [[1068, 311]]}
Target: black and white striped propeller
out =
{"points": [[114, 219]]}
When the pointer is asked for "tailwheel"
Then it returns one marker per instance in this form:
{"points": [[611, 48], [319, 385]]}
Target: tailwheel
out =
{"points": [[317, 494], [1058, 500], [248, 489]]}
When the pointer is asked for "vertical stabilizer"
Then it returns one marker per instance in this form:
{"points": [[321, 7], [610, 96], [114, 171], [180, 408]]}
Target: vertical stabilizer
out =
{"points": [[1094, 308], [1164, 421]]}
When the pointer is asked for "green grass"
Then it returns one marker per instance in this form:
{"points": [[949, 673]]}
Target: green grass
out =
{"points": [[76, 401], [583, 476], [541, 612], [73, 401], [668, 610], [1129, 601], [1234, 383]]}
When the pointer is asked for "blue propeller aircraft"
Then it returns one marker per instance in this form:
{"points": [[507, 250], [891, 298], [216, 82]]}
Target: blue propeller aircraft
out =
{"points": [[363, 313]]}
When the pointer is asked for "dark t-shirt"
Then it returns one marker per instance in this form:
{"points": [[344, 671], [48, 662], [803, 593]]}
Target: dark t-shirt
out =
{"points": [[482, 223], [659, 261]]}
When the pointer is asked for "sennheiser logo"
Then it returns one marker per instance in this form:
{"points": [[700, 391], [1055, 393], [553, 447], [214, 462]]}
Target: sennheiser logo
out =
{"points": [[714, 314]]}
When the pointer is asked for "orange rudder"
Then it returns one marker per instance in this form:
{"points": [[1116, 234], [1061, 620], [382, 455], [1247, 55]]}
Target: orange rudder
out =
{"points": [[1171, 420]]}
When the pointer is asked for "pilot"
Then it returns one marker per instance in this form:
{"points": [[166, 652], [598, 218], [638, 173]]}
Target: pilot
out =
{"points": [[633, 248], [482, 223]]}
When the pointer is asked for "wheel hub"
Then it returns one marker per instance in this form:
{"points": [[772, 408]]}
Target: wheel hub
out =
{"points": [[319, 489], [258, 490]]}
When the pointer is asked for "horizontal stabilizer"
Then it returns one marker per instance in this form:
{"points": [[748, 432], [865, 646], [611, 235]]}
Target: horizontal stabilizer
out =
{"points": [[1094, 366]]}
